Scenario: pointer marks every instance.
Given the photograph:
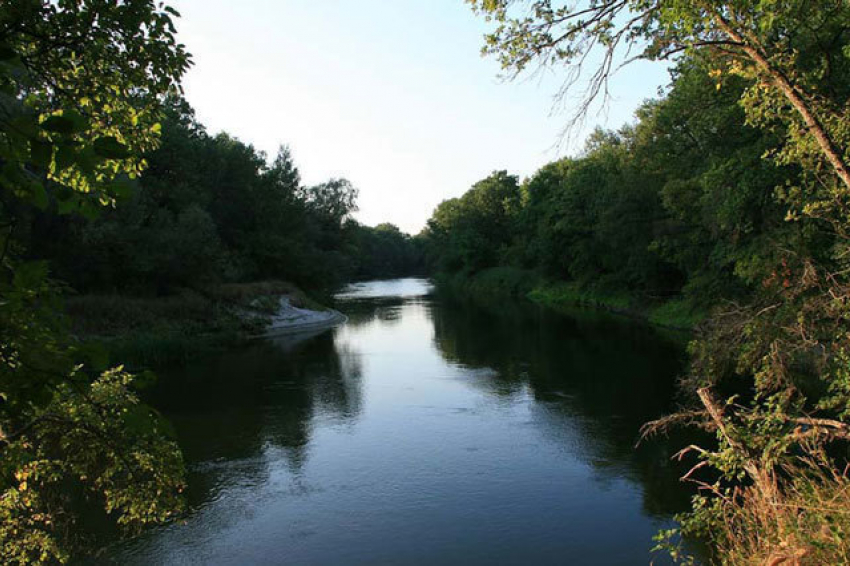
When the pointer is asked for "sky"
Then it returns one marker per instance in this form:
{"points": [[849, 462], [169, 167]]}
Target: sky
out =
{"points": [[392, 95]]}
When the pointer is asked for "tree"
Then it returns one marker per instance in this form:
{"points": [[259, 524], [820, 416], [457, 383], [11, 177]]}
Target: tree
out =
{"points": [[759, 40], [383, 251], [785, 346], [472, 232], [332, 201], [81, 82], [284, 173], [714, 185]]}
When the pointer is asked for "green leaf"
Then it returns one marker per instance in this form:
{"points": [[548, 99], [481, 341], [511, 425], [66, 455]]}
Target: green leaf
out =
{"points": [[95, 355], [87, 159], [88, 209], [25, 126], [138, 420], [30, 274], [144, 380], [121, 188], [68, 204], [58, 124], [110, 148]]}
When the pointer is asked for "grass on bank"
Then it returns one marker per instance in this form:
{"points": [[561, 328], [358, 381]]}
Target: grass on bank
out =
{"points": [[575, 295], [491, 283], [806, 523], [499, 282], [153, 331], [810, 524]]}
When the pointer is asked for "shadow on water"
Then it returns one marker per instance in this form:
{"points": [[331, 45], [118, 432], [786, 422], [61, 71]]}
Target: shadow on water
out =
{"points": [[385, 310], [595, 378], [425, 430], [238, 405]]}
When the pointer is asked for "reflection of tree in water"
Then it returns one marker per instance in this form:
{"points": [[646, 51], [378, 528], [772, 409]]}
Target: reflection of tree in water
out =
{"points": [[363, 312], [228, 410], [595, 380]]}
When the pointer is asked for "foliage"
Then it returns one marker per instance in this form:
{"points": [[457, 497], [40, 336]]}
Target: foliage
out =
{"points": [[572, 294], [383, 252], [675, 207], [80, 87], [79, 83], [676, 313], [742, 204], [109, 184], [468, 233], [812, 525], [789, 51], [492, 283], [211, 210], [98, 436]]}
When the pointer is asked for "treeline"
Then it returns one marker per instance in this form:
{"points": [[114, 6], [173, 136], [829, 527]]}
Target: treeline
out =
{"points": [[211, 209], [678, 206], [722, 207], [114, 198]]}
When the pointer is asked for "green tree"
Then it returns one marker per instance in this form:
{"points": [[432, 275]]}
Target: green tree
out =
{"points": [[715, 186], [775, 44], [473, 232], [332, 202], [786, 346], [384, 251], [80, 90], [592, 219]]}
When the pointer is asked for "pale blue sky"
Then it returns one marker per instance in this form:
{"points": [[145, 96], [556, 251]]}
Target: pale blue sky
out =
{"points": [[390, 94]]}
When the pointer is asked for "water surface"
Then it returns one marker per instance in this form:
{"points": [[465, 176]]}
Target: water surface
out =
{"points": [[424, 431]]}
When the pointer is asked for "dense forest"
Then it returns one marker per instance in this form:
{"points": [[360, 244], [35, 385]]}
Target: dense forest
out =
{"points": [[723, 206], [119, 209], [212, 209], [675, 210]]}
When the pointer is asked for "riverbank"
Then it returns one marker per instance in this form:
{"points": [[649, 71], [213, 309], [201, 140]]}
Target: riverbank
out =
{"points": [[498, 282], [423, 395], [153, 331], [289, 318]]}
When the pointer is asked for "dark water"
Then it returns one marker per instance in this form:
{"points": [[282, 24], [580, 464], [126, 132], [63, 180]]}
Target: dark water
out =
{"points": [[424, 431]]}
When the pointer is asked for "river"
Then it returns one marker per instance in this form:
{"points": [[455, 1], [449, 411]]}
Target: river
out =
{"points": [[426, 430]]}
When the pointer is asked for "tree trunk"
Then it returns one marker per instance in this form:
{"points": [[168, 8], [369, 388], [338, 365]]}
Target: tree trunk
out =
{"points": [[763, 479], [826, 144]]}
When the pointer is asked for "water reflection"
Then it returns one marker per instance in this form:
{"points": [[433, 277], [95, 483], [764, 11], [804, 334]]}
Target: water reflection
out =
{"points": [[237, 405], [596, 380], [423, 431], [396, 288], [364, 312]]}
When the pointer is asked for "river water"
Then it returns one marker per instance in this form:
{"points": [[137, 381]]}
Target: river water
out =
{"points": [[426, 430]]}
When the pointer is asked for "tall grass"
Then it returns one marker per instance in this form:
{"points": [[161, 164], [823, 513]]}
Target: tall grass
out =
{"points": [[809, 524]]}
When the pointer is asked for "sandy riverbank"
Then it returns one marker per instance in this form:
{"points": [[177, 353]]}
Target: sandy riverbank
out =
{"points": [[290, 319]]}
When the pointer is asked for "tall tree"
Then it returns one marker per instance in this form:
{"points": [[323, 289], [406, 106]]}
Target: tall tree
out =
{"points": [[761, 40], [786, 347], [81, 82]]}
